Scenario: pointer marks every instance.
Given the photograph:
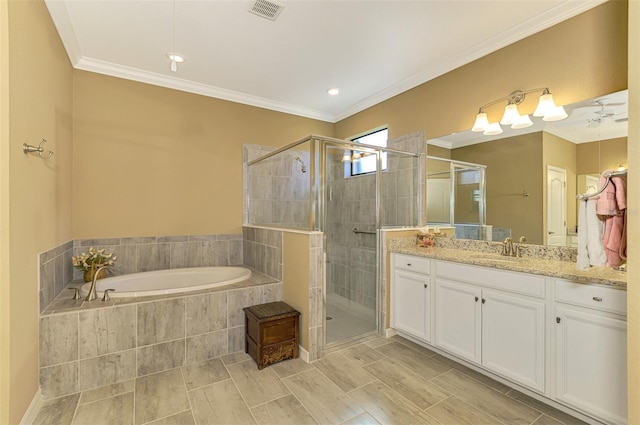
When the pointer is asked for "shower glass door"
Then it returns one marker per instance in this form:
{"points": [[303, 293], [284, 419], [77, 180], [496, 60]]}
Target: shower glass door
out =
{"points": [[350, 224]]}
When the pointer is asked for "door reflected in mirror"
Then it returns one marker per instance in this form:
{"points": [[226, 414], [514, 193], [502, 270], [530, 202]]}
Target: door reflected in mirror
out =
{"points": [[591, 140]]}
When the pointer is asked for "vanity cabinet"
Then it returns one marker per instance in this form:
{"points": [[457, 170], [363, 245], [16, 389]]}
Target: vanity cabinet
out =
{"points": [[499, 330], [591, 347], [563, 340], [411, 296]]}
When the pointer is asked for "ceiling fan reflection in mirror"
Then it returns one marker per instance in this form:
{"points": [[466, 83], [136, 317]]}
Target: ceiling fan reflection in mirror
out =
{"points": [[600, 113]]}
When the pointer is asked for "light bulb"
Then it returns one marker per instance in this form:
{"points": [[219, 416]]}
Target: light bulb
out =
{"points": [[511, 114], [545, 104], [556, 114], [481, 122], [493, 129], [523, 121]]}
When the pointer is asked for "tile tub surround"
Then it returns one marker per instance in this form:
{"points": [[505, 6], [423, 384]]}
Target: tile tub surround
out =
{"points": [[85, 345], [377, 382], [56, 272], [552, 261], [137, 254]]}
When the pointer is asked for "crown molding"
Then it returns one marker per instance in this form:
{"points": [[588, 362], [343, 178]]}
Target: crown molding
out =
{"points": [[440, 143], [62, 22], [107, 68]]}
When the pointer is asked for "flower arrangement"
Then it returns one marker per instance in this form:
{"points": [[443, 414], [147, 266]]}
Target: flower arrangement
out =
{"points": [[426, 240], [94, 259]]}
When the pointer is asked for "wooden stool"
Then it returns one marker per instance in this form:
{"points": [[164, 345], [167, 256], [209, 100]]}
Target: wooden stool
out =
{"points": [[271, 332]]}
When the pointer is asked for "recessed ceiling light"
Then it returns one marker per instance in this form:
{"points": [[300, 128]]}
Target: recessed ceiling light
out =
{"points": [[333, 91]]}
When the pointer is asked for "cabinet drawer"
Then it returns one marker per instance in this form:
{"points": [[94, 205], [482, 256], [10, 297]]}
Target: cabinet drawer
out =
{"points": [[279, 331], [591, 296], [412, 263], [519, 283]]}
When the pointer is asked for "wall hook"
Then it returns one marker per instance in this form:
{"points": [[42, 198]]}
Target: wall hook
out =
{"points": [[29, 148]]}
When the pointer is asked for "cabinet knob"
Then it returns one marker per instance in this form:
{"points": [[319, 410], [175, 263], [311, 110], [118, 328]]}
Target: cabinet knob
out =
{"points": [[558, 320], [598, 299], [484, 301], [409, 264], [425, 285], [476, 297]]}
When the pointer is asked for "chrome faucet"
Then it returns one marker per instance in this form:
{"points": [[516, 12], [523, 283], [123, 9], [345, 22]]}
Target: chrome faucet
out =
{"points": [[507, 247], [92, 292]]}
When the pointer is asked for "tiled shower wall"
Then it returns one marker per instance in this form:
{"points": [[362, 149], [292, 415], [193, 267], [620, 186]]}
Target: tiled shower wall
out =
{"points": [[138, 255], [263, 250], [278, 187]]}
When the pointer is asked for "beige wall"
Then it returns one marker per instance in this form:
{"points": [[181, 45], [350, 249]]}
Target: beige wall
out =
{"points": [[596, 157], [154, 161], [40, 82], [5, 281], [295, 278], [560, 153], [514, 165], [633, 219], [578, 59]]}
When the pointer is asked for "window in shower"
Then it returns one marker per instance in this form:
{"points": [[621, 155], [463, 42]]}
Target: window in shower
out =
{"points": [[367, 163]]}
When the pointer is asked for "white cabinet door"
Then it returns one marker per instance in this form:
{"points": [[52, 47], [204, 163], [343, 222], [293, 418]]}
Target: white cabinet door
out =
{"points": [[513, 337], [411, 302], [591, 359], [458, 319]]}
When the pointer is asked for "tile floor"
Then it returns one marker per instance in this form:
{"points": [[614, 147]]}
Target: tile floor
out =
{"points": [[382, 381]]}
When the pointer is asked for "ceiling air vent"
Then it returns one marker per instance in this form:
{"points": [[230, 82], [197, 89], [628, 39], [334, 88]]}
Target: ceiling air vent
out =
{"points": [[266, 9]]}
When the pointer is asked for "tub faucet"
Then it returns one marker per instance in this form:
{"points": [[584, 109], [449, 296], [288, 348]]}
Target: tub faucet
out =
{"points": [[92, 292]]}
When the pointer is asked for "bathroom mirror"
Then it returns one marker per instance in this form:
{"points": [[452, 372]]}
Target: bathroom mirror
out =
{"points": [[591, 140]]}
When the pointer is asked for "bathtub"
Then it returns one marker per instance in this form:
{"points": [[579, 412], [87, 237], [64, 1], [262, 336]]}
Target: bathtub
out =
{"points": [[172, 281]]}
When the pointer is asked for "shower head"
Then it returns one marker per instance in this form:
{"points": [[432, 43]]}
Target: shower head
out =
{"points": [[303, 167]]}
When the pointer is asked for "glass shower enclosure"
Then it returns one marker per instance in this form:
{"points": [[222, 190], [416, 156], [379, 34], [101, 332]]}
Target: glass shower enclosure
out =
{"points": [[456, 197], [313, 185]]}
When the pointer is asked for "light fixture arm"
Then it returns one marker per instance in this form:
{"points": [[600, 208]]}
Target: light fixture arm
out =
{"points": [[515, 97]]}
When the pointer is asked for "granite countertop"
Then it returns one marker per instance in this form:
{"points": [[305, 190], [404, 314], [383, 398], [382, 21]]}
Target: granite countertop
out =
{"points": [[541, 266]]}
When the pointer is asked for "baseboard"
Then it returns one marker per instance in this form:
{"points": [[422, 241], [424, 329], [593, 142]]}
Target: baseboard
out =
{"points": [[303, 354], [388, 333], [30, 415]]}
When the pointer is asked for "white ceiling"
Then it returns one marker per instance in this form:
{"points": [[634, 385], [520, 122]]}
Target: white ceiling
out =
{"points": [[371, 50]]}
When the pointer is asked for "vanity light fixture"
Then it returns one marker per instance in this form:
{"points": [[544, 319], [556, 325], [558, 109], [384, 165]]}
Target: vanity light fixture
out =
{"points": [[546, 109], [353, 156]]}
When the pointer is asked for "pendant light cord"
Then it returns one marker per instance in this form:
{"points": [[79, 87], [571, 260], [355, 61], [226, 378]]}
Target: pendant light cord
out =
{"points": [[174, 64]]}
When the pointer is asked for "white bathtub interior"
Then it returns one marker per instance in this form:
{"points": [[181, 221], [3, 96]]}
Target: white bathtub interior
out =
{"points": [[171, 281]]}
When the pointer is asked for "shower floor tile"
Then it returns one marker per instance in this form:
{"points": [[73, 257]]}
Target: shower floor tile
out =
{"points": [[343, 323]]}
